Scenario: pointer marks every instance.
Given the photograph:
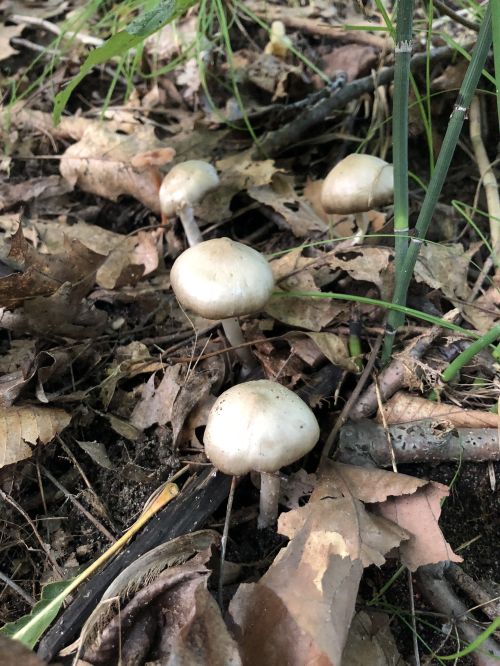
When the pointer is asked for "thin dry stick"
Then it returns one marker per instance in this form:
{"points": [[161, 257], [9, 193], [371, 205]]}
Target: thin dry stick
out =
{"points": [[19, 590], [416, 653], [487, 177], [46, 549], [384, 423], [79, 506], [225, 533], [37, 22], [344, 414]]}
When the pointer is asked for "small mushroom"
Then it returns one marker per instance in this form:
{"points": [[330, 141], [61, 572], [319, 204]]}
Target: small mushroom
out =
{"points": [[184, 186], [357, 184], [259, 426], [279, 44], [223, 279]]}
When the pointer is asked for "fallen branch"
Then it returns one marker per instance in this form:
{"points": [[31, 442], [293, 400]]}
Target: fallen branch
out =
{"points": [[276, 142], [365, 443]]}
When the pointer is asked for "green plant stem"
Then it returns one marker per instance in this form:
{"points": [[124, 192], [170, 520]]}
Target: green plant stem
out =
{"points": [[474, 348], [450, 141], [383, 304], [402, 49]]}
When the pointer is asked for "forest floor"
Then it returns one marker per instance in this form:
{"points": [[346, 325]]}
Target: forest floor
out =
{"points": [[106, 382]]}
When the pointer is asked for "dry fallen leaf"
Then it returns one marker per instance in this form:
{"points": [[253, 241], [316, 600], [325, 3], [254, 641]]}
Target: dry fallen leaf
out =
{"points": [[354, 59], [370, 642], [101, 163], [7, 32], [331, 540], [295, 210], [156, 402], [404, 408], [21, 427], [419, 514], [14, 653]]}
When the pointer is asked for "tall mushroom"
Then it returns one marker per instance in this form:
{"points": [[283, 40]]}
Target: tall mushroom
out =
{"points": [[357, 184], [184, 186], [223, 279], [259, 426]]}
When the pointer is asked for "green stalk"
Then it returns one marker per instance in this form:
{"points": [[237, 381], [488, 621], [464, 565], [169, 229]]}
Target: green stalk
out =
{"points": [[402, 50], [474, 348], [450, 141]]}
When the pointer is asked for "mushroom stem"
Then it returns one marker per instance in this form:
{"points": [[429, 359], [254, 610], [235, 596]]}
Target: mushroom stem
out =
{"points": [[363, 222], [269, 495], [189, 224], [232, 329]]}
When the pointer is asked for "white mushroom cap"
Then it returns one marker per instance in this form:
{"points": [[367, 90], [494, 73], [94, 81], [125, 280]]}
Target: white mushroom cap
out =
{"points": [[220, 278], [186, 184], [258, 426], [357, 184]]}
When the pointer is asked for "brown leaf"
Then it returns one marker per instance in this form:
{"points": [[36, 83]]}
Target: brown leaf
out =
{"points": [[419, 514], [354, 59], [330, 542], [101, 163], [334, 347], [156, 403], [445, 267], [370, 484], [370, 642], [35, 188], [405, 408], [21, 427], [44, 274], [14, 653], [280, 195]]}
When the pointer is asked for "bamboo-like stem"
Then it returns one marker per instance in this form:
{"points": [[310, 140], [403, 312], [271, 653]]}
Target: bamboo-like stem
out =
{"points": [[450, 141], [402, 49]]}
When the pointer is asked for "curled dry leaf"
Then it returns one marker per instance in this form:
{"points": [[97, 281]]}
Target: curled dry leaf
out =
{"points": [[101, 163], [307, 621], [405, 408], [419, 514], [21, 428], [44, 274]]}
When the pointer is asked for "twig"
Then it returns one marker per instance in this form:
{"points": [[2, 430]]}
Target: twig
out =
{"points": [[390, 447], [344, 414], [439, 594], [487, 176], [37, 22], [19, 590], [416, 653], [79, 506], [458, 18], [276, 142], [46, 549]]}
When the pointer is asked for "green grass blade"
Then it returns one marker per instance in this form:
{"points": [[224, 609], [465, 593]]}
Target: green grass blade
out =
{"points": [[117, 45], [32, 626]]}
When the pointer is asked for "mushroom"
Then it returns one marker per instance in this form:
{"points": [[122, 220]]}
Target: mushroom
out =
{"points": [[279, 44], [223, 279], [184, 186], [357, 184], [259, 426]]}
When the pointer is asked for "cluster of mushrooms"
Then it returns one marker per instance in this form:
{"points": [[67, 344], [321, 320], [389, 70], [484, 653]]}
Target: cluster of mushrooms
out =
{"points": [[258, 425]]}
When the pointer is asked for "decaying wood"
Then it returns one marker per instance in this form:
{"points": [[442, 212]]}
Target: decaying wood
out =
{"points": [[187, 513], [365, 443]]}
